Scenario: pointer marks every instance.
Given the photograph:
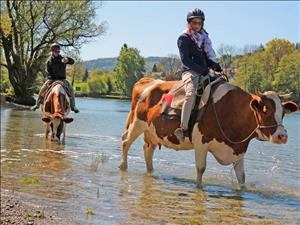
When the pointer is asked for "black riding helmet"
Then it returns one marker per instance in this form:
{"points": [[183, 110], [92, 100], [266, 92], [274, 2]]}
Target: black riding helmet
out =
{"points": [[55, 47], [195, 13]]}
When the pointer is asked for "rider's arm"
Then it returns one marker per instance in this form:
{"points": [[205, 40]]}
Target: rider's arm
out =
{"points": [[48, 68], [70, 61], [184, 50], [211, 57]]}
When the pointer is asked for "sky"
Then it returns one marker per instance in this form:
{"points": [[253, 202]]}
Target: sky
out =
{"points": [[154, 26]]}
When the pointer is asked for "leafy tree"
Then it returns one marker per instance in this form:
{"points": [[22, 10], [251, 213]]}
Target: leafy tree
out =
{"points": [[130, 68], [271, 67], [274, 51], [28, 28], [101, 83], [287, 78], [249, 75], [85, 75]]}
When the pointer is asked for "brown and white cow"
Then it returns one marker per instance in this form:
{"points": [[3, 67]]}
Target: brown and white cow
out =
{"points": [[55, 111], [242, 117]]}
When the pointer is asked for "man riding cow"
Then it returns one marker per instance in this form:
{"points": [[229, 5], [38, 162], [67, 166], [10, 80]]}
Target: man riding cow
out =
{"points": [[56, 70], [224, 126]]}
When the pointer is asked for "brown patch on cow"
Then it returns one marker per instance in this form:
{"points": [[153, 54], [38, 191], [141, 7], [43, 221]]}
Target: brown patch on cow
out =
{"points": [[137, 91], [149, 111], [230, 120], [266, 116], [56, 104]]}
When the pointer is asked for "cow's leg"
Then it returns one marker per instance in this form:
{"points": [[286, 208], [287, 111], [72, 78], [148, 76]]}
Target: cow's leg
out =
{"points": [[63, 136], [130, 135], [149, 149], [47, 130], [239, 171], [148, 153], [200, 158]]}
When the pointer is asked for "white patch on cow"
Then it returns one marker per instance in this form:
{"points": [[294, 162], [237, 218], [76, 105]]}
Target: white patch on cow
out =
{"points": [[223, 153], [278, 116], [221, 91], [146, 90], [186, 145], [278, 107]]}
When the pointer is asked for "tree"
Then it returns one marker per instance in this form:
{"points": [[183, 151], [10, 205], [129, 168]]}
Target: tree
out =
{"points": [[154, 68], [85, 75], [129, 69], [274, 51], [250, 73], [100, 83], [287, 78], [28, 28], [171, 64], [226, 53]]}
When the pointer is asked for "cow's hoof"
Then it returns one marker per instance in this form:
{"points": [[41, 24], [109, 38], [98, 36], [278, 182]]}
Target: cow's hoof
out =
{"points": [[243, 187], [150, 171], [123, 166], [199, 185]]}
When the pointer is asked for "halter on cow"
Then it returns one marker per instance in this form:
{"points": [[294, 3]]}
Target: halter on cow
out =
{"points": [[55, 110], [232, 117]]}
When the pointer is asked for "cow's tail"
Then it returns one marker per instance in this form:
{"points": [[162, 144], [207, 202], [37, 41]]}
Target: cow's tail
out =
{"points": [[128, 120]]}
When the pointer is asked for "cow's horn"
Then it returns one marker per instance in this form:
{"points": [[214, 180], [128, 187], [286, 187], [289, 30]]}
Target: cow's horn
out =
{"points": [[285, 96]]}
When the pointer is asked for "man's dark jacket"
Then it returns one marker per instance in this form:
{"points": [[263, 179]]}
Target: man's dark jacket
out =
{"points": [[55, 68]]}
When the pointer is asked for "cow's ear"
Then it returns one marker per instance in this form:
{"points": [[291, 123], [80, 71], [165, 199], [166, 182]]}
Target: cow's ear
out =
{"points": [[46, 119], [68, 120], [255, 104], [290, 106]]}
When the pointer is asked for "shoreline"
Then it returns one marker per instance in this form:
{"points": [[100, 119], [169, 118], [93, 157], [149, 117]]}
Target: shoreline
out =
{"points": [[16, 210]]}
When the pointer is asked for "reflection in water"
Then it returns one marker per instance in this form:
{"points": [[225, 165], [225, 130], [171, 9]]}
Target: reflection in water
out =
{"points": [[157, 202], [26, 155], [84, 173]]}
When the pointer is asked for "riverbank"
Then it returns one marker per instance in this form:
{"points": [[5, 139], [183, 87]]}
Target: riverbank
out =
{"points": [[118, 97], [16, 210], [10, 99]]}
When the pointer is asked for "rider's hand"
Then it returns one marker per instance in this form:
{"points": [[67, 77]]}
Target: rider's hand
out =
{"points": [[216, 67], [65, 60]]}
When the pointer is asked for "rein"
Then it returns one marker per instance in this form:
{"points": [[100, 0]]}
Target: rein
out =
{"points": [[258, 126]]}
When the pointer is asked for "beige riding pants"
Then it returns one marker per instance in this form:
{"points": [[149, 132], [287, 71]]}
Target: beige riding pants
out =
{"points": [[191, 79], [45, 86]]}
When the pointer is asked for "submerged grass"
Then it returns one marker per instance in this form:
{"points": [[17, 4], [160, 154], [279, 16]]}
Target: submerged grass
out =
{"points": [[30, 180], [97, 161]]}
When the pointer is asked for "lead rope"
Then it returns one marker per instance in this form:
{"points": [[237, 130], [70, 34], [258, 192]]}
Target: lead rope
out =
{"points": [[222, 131], [246, 138]]}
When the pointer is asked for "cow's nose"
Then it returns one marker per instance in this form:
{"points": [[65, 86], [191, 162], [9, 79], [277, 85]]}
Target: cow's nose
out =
{"points": [[282, 138]]}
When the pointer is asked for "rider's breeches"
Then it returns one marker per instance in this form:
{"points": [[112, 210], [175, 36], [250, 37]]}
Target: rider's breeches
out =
{"points": [[190, 79], [45, 87]]}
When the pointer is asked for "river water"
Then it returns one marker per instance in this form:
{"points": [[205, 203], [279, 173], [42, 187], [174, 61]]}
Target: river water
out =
{"points": [[84, 174]]}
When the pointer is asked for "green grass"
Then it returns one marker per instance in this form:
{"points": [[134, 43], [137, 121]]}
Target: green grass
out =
{"points": [[37, 214], [90, 211], [30, 180]]}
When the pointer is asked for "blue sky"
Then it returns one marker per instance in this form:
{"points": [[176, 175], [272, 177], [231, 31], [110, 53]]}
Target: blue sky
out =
{"points": [[154, 26]]}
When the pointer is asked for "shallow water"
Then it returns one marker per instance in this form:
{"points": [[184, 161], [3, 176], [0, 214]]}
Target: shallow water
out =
{"points": [[84, 173]]}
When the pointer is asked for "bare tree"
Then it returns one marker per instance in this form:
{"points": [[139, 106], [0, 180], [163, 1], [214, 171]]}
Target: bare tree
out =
{"points": [[226, 53]]}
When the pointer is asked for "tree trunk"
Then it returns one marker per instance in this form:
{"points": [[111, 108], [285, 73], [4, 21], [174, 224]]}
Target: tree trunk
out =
{"points": [[21, 85]]}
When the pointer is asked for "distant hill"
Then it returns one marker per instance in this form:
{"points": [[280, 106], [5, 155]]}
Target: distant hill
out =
{"points": [[107, 64]]}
